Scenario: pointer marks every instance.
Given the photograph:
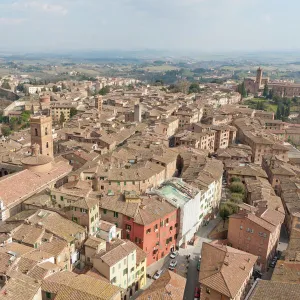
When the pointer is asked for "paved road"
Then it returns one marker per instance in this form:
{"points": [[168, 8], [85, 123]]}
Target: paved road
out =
{"points": [[193, 274], [184, 268]]}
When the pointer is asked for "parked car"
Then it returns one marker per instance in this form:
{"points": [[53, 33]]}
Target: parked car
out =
{"points": [[157, 274], [197, 293], [173, 264], [173, 254], [256, 274]]}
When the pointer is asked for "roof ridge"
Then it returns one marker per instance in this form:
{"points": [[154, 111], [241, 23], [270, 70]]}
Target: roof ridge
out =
{"points": [[226, 283]]}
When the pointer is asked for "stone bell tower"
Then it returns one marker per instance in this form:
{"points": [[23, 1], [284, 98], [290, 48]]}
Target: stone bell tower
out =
{"points": [[41, 134]]}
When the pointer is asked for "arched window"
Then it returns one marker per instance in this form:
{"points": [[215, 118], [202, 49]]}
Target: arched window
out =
{"points": [[36, 132], [47, 145], [46, 131]]}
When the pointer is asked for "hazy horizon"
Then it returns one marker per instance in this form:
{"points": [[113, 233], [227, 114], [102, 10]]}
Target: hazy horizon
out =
{"points": [[218, 26]]}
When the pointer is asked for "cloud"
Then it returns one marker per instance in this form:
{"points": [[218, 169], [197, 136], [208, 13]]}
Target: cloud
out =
{"points": [[11, 21], [267, 18], [41, 6]]}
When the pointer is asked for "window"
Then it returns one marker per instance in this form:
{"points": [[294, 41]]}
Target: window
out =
{"points": [[116, 214], [125, 271], [133, 182], [48, 295], [47, 145], [36, 132], [119, 266], [241, 227], [62, 198], [53, 197], [46, 131], [148, 231], [118, 182], [128, 227], [207, 290], [92, 219], [124, 182], [155, 227]]}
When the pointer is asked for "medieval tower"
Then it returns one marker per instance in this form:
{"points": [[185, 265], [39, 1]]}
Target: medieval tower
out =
{"points": [[98, 103], [41, 134], [259, 74]]}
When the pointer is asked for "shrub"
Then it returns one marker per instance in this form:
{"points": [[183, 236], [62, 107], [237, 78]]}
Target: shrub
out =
{"points": [[237, 187]]}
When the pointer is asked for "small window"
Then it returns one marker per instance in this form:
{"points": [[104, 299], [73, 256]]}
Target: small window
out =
{"points": [[62, 198], [116, 214], [207, 290], [48, 295], [36, 132], [104, 211], [47, 145]]}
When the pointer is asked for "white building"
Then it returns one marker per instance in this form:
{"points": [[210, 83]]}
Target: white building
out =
{"points": [[188, 200]]}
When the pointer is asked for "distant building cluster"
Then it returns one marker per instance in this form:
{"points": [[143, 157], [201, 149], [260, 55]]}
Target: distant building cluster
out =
{"points": [[100, 189]]}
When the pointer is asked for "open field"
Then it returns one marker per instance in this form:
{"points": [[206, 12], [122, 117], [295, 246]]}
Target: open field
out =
{"points": [[269, 105], [158, 69]]}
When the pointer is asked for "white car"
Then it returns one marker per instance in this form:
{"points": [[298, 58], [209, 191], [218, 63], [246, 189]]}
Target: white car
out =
{"points": [[173, 265], [173, 254], [157, 274]]}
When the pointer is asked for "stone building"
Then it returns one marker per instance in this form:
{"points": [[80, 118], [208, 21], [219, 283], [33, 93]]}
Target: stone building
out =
{"points": [[41, 134]]}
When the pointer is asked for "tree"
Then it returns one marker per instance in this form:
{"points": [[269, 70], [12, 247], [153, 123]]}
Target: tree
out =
{"points": [[13, 123], [237, 187], [194, 88], [5, 131], [278, 113], [5, 85], [270, 96], [236, 198], [242, 90], [55, 89], [73, 112], [183, 86], [225, 212], [235, 179], [104, 91], [266, 91], [62, 118]]}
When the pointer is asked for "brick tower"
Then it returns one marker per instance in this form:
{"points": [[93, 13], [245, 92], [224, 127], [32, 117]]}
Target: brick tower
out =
{"points": [[98, 103], [41, 134], [259, 74]]}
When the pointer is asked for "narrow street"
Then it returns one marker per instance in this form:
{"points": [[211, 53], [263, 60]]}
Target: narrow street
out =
{"points": [[184, 268], [194, 251]]}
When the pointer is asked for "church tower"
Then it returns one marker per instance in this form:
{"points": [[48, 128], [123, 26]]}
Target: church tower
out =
{"points": [[98, 103], [41, 134], [259, 74]]}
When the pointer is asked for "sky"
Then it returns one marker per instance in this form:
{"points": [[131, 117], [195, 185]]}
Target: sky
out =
{"points": [[181, 25]]}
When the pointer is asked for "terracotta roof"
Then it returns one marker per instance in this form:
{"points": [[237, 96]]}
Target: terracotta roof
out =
{"points": [[21, 288], [170, 286], [55, 247], [93, 242], [115, 252], [225, 269], [28, 234], [67, 285], [29, 183], [266, 290]]}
